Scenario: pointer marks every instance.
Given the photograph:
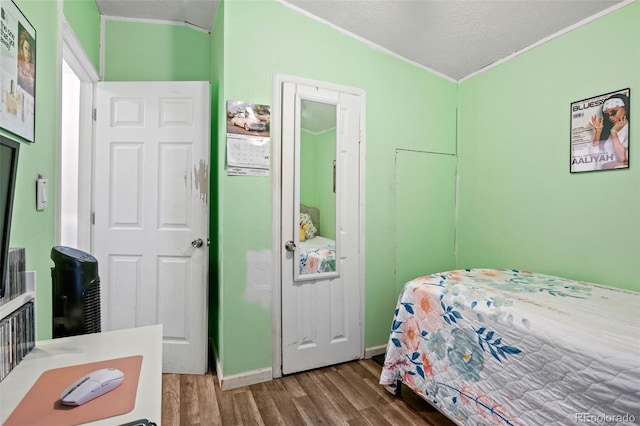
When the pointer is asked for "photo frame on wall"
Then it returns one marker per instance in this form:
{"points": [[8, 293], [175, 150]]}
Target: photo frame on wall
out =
{"points": [[17, 72], [600, 132]]}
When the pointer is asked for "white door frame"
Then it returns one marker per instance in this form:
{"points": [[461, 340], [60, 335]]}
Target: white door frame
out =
{"points": [[79, 62], [276, 202]]}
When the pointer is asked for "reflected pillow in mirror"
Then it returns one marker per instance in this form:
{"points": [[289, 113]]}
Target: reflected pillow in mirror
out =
{"points": [[305, 219]]}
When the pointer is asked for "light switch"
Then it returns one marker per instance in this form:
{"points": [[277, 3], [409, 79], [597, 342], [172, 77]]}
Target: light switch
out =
{"points": [[42, 196]]}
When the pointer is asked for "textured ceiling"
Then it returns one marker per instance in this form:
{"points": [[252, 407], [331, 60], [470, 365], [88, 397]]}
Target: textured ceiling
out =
{"points": [[454, 38]]}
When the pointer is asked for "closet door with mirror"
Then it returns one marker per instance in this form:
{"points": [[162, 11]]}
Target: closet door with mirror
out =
{"points": [[321, 290]]}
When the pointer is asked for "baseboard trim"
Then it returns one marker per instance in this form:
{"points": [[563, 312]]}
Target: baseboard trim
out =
{"points": [[239, 380], [245, 379], [374, 350], [266, 374]]}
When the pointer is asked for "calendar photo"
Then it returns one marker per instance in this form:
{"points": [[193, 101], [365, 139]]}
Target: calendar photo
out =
{"points": [[248, 142], [244, 118]]}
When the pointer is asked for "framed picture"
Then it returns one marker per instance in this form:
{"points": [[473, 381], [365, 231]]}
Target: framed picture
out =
{"points": [[600, 132], [17, 72]]}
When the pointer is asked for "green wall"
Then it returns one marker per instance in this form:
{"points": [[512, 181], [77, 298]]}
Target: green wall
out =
{"points": [[84, 17], [425, 214], [158, 52], [308, 169], [326, 153], [281, 41], [519, 207], [31, 229]]}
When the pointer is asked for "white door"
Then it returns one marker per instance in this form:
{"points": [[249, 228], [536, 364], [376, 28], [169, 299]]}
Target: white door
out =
{"points": [[321, 306], [152, 213]]}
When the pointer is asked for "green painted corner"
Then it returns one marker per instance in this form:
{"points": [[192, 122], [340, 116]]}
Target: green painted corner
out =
{"points": [[84, 18]]}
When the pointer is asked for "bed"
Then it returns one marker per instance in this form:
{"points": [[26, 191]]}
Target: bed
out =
{"points": [[512, 347], [317, 254]]}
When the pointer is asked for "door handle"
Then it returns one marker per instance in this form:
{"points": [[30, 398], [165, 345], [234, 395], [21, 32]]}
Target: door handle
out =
{"points": [[197, 243], [290, 245]]}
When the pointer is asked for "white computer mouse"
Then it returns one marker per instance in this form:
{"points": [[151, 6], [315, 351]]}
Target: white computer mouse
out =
{"points": [[92, 386]]}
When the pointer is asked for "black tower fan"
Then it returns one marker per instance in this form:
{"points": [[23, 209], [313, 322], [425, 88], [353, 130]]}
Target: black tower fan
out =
{"points": [[76, 292]]}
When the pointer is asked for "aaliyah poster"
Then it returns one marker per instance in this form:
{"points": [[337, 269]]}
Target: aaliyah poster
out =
{"points": [[600, 132]]}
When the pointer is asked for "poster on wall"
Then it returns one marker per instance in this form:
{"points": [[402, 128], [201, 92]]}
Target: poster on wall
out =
{"points": [[248, 142], [600, 132], [17, 72]]}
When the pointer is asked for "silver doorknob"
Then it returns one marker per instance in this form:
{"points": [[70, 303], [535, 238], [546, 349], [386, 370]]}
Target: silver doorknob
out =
{"points": [[290, 245], [197, 243]]}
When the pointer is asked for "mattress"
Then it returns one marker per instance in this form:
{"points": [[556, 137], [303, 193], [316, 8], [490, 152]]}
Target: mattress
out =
{"points": [[512, 347], [317, 255]]}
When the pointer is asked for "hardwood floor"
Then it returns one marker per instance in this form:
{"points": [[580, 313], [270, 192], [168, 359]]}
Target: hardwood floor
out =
{"points": [[345, 394]]}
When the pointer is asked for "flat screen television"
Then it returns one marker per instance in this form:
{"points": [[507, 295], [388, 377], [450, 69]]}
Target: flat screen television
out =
{"points": [[9, 150]]}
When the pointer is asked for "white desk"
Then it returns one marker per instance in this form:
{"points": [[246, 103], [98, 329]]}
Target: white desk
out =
{"points": [[68, 351]]}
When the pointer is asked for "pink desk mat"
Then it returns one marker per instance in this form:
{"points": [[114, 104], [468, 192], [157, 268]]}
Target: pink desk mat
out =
{"points": [[42, 406]]}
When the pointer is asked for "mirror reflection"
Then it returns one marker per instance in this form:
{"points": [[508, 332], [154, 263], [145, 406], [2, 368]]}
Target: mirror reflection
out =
{"points": [[317, 234]]}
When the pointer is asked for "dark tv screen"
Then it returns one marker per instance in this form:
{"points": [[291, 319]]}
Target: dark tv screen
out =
{"points": [[9, 150]]}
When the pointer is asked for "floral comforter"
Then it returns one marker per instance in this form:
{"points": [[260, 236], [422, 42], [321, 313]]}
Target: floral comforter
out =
{"points": [[509, 347], [317, 255]]}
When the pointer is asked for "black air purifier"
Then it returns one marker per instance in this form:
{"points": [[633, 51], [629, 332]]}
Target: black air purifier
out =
{"points": [[76, 292]]}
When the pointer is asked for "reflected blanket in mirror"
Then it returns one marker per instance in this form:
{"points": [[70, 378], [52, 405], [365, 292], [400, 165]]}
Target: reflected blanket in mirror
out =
{"points": [[317, 255]]}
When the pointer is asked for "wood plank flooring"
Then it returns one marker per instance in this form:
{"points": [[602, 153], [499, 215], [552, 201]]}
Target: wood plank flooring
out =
{"points": [[344, 394]]}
